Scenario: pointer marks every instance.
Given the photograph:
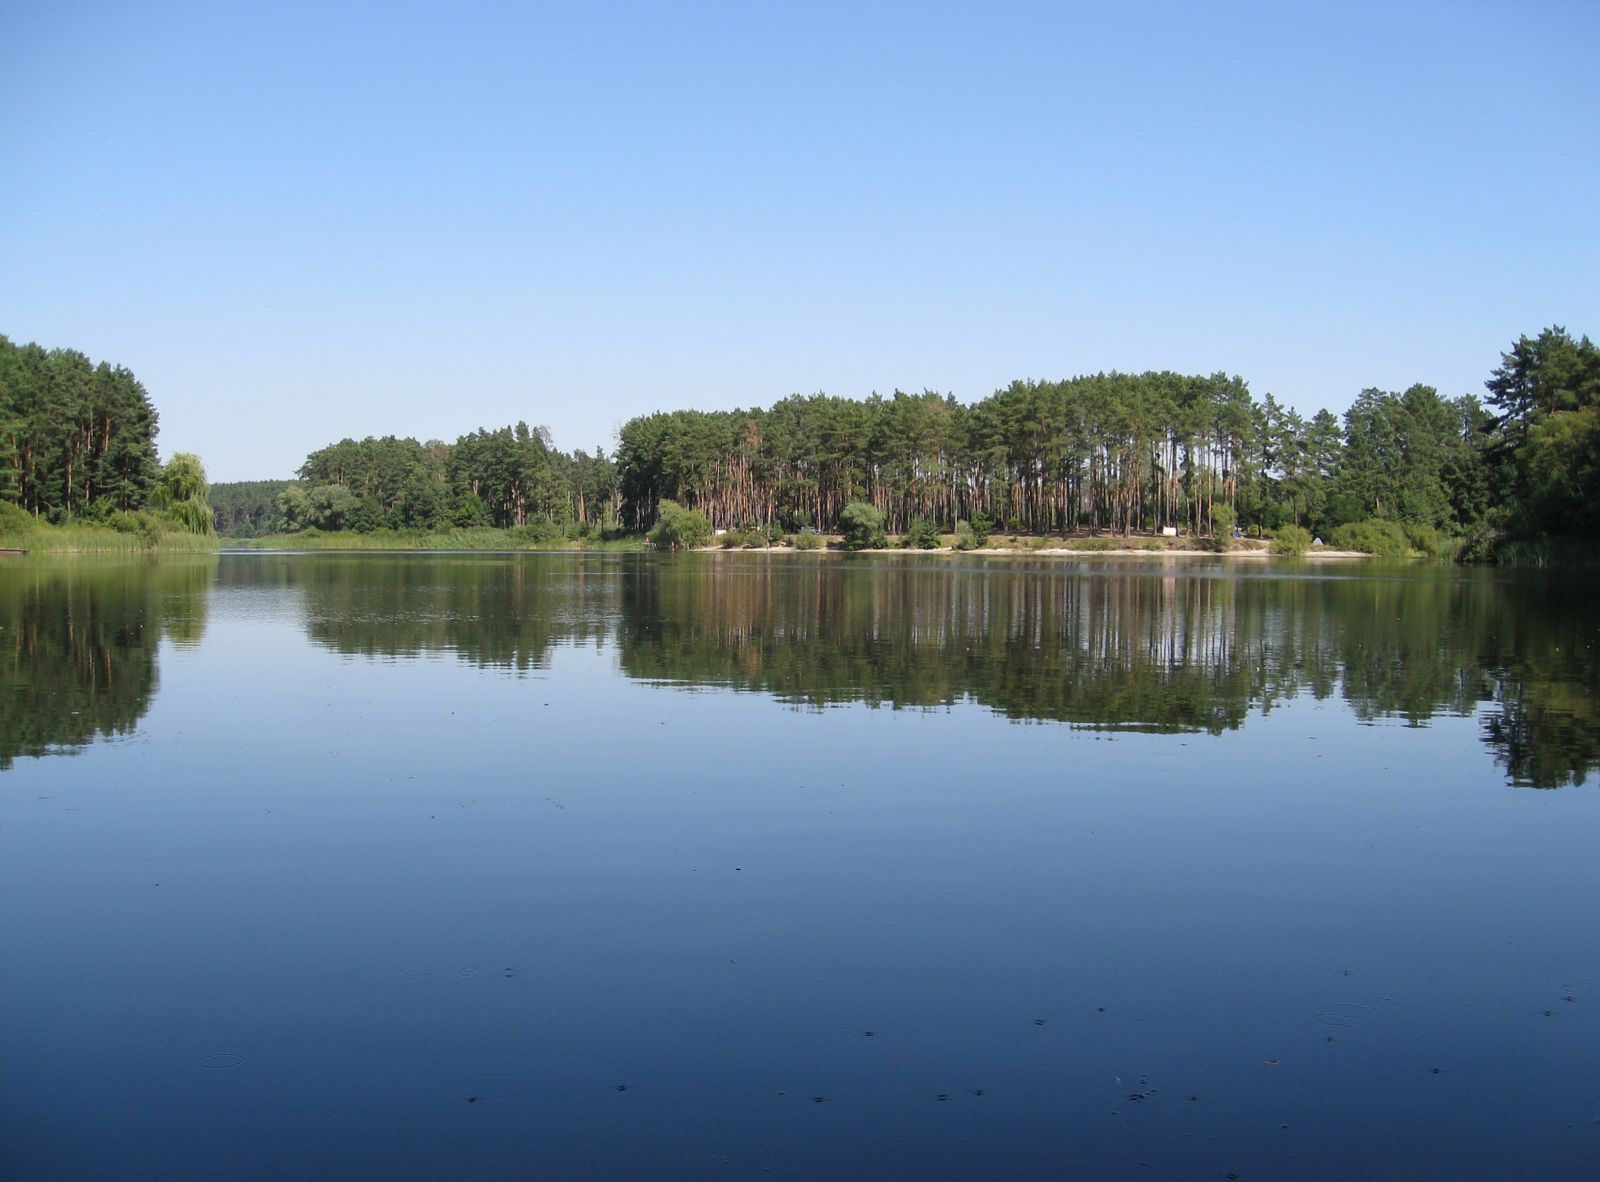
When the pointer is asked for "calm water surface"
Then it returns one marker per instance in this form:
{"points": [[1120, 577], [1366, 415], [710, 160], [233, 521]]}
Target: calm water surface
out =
{"points": [[734, 866]]}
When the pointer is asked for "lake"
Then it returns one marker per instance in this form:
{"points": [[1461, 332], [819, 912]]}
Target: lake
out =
{"points": [[806, 866]]}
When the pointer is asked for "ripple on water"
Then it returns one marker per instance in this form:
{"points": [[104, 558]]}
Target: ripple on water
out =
{"points": [[498, 1090], [218, 1062], [1350, 1013], [414, 974]]}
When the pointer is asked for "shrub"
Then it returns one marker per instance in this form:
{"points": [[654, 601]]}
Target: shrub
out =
{"points": [[538, 533], [1290, 539], [982, 527], [922, 534], [862, 526], [1383, 538], [14, 519], [678, 528], [1426, 540], [808, 539], [731, 539], [1223, 522], [966, 536], [145, 525]]}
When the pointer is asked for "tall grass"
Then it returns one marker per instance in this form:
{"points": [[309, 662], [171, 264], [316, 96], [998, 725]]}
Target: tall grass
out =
{"points": [[19, 530]]}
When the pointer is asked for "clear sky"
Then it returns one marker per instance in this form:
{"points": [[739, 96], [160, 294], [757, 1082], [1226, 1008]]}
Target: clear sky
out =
{"points": [[296, 222]]}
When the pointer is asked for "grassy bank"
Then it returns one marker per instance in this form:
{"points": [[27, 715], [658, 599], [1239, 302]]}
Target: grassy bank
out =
{"points": [[100, 539], [480, 538]]}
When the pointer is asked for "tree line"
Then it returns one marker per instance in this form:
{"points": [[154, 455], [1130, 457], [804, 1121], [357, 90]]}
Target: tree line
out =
{"points": [[1105, 453], [1134, 452], [78, 444], [509, 478], [75, 436]]}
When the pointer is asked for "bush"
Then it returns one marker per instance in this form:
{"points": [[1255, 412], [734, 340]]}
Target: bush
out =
{"points": [[731, 539], [1426, 540], [982, 527], [14, 519], [1290, 539], [1223, 522], [862, 526], [678, 528], [1383, 538], [808, 539], [537, 533], [966, 536], [922, 534], [145, 525]]}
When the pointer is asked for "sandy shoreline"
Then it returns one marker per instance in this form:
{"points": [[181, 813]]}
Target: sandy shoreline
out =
{"points": [[1252, 553]]}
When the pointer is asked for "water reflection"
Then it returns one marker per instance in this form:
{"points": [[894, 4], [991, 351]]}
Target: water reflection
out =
{"points": [[78, 646], [494, 611], [1173, 648]]}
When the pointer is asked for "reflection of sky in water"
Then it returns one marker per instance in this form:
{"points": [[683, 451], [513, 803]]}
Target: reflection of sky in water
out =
{"points": [[439, 914]]}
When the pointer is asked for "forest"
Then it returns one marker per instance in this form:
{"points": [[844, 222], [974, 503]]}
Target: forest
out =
{"points": [[1101, 454], [510, 478], [78, 448], [1126, 453], [1110, 454], [74, 435]]}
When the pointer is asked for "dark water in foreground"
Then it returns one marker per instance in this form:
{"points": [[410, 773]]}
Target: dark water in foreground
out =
{"points": [[724, 866]]}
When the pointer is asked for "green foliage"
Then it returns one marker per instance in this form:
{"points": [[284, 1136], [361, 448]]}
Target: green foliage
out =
{"points": [[981, 527], [246, 508], [921, 535], [147, 526], [862, 527], [808, 539], [1385, 539], [509, 477], [1290, 539], [1223, 522], [966, 536], [678, 528], [1036, 454], [1560, 473], [537, 534], [1543, 447], [14, 520], [329, 505], [1426, 540], [72, 433], [180, 495]]}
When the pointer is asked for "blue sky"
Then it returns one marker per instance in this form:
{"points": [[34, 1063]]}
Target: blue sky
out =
{"points": [[296, 224]]}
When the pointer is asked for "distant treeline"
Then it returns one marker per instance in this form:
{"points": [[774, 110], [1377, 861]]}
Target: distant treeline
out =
{"points": [[1105, 453], [508, 478]]}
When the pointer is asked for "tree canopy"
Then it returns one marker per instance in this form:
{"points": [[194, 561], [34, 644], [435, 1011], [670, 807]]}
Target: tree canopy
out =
{"points": [[76, 437]]}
